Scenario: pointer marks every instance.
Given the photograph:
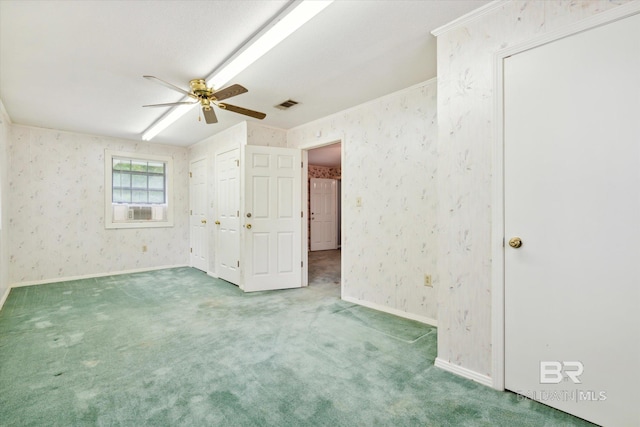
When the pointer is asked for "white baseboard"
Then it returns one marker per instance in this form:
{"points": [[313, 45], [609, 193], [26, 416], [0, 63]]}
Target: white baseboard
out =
{"points": [[395, 312], [4, 297], [464, 372], [214, 275], [91, 276]]}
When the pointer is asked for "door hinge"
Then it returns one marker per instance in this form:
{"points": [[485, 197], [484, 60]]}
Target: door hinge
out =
{"points": [[237, 213], [301, 164], [301, 214], [238, 263], [191, 212], [190, 175], [301, 264], [238, 163], [191, 250]]}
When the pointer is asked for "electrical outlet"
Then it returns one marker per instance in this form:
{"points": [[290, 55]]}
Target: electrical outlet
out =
{"points": [[144, 248], [427, 280]]}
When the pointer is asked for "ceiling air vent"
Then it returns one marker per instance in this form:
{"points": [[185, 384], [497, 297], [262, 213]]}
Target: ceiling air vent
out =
{"points": [[286, 104]]}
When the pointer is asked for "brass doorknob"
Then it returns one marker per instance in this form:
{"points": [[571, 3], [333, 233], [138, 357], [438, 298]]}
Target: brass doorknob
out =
{"points": [[204, 221], [217, 222], [249, 226], [515, 242]]}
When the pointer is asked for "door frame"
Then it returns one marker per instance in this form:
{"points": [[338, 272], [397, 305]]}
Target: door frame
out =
{"points": [[497, 221], [305, 196]]}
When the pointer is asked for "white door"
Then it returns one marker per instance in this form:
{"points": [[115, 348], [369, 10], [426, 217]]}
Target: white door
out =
{"points": [[228, 216], [572, 194], [272, 222], [323, 215], [198, 214]]}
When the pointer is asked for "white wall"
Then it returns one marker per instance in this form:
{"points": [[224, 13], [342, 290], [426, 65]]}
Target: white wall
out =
{"points": [[4, 203], [465, 119], [389, 243], [56, 213]]}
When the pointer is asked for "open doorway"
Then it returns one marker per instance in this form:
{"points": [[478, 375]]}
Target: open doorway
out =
{"points": [[324, 178]]}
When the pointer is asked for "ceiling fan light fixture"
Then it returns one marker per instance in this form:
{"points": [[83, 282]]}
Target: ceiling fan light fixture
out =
{"points": [[287, 25]]}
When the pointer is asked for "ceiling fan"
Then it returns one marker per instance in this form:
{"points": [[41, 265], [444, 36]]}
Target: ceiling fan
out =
{"points": [[207, 97]]}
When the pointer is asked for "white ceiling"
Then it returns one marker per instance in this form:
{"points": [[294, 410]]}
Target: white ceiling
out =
{"points": [[78, 65]]}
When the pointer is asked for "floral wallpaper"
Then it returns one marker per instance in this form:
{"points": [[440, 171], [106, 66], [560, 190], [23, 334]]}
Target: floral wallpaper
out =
{"points": [[56, 209], [465, 115], [324, 172], [258, 134], [390, 159], [4, 205]]}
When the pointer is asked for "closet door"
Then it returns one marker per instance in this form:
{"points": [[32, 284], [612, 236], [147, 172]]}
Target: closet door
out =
{"points": [[228, 216], [572, 214], [199, 254]]}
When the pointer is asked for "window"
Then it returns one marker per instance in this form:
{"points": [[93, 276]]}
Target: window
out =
{"points": [[137, 190], [139, 181]]}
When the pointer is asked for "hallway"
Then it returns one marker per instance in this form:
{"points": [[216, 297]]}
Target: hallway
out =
{"points": [[324, 267]]}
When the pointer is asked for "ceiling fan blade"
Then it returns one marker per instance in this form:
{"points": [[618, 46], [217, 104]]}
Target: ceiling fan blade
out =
{"points": [[209, 115], [245, 111], [228, 92], [170, 104], [169, 85]]}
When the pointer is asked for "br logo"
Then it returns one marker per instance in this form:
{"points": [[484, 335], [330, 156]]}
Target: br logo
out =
{"points": [[553, 372]]}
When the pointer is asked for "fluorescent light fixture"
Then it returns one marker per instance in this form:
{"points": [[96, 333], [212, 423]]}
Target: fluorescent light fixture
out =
{"points": [[301, 14], [166, 121], [267, 41]]}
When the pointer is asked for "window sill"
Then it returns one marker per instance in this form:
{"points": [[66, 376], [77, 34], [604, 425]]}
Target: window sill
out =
{"points": [[139, 224]]}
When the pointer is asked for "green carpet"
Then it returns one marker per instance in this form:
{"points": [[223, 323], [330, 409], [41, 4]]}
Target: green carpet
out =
{"points": [[178, 348]]}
